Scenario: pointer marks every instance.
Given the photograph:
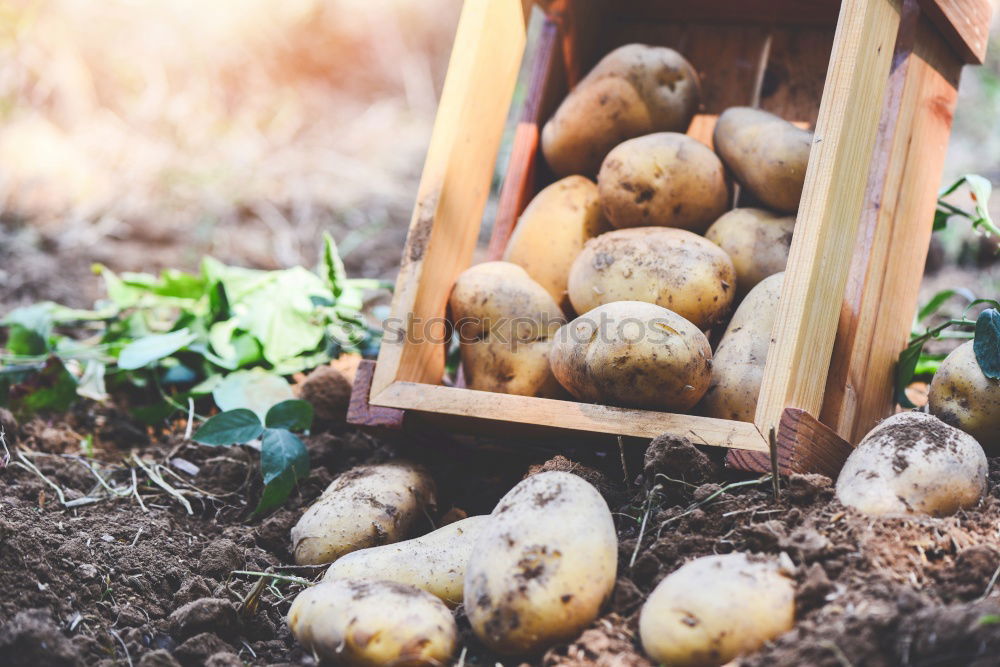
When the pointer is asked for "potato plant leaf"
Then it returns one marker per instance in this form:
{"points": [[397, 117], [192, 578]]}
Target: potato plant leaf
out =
{"points": [[283, 461], [292, 415], [52, 388], [148, 349], [230, 427], [255, 390], [987, 343], [905, 368]]}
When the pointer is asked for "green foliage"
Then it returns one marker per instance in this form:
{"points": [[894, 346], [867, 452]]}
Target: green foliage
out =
{"points": [[979, 191], [283, 456], [227, 331]]}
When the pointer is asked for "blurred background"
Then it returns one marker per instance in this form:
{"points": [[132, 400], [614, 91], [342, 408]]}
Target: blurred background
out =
{"points": [[146, 133]]}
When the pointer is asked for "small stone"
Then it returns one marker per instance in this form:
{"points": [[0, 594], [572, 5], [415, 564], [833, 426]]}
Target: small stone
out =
{"points": [[207, 614], [158, 658], [328, 391], [219, 558], [86, 572]]}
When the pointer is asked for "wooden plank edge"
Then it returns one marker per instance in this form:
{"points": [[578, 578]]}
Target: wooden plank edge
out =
{"points": [[361, 412], [805, 445], [567, 415], [965, 25]]}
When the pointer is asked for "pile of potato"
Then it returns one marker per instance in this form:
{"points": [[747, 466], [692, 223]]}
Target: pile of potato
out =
{"points": [[610, 291], [534, 572]]}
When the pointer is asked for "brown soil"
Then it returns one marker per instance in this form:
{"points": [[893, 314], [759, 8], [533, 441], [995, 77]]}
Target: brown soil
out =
{"points": [[84, 585]]}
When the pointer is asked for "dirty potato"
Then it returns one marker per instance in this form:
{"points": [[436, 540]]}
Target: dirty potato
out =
{"points": [[756, 240], [504, 321], [913, 463], [716, 608], [672, 268], [543, 566], [962, 396], [633, 354], [738, 363], [434, 562], [552, 230], [665, 179], [766, 154], [372, 623], [366, 506], [634, 90]]}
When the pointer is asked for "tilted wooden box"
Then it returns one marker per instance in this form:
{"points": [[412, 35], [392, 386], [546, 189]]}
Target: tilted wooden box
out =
{"points": [[876, 79]]}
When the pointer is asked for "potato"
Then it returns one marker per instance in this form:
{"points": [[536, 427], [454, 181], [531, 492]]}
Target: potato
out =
{"points": [[766, 154], [543, 566], [672, 268], [756, 240], [366, 506], [716, 608], [913, 463], [434, 562], [634, 90], [370, 623], [665, 179], [963, 397], [633, 354], [552, 230], [504, 321], [738, 363]]}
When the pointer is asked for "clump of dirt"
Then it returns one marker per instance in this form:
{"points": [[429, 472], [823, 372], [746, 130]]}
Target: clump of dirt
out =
{"points": [[328, 391]]}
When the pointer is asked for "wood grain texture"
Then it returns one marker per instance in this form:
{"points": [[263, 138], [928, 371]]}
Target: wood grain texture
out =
{"points": [[360, 411], [827, 222], [895, 228], [580, 22], [568, 415], [797, 63], [763, 12], [454, 186], [964, 23], [805, 445], [546, 88]]}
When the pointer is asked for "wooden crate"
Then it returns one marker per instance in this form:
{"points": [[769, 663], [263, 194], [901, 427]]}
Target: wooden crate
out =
{"points": [[876, 79]]}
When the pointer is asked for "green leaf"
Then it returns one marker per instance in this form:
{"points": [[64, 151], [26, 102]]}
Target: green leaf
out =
{"points": [[231, 427], [30, 328], [987, 343], [154, 347], [292, 415], [940, 298], [905, 368], [256, 390], [989, 619], [333, 266], [91, 383], [52, 388], [283, 461]]}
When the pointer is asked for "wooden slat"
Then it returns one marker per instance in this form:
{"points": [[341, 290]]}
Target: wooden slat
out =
{"points": [[806, 322], [580, 23], [360, 411], [964, 23], [568, 415], [805, 445], [763, 12], [895, 229], [454, 186], [546, 88], [793, 78]]}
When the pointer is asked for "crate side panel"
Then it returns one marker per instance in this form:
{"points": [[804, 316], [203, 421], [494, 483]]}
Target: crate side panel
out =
{"points": [[797, 63]]}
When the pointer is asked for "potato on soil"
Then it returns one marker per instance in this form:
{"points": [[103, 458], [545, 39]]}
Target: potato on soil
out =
{"points": [[756, 240], [633, 354], [552, 230], [543, 566], [766, 154], [634, 90], [434, 562], [369, 623], [504, 321], [963, 397], [664, 179], [367, 506], [739, 360], [913, 463], [672, 268], [716, 608]]}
